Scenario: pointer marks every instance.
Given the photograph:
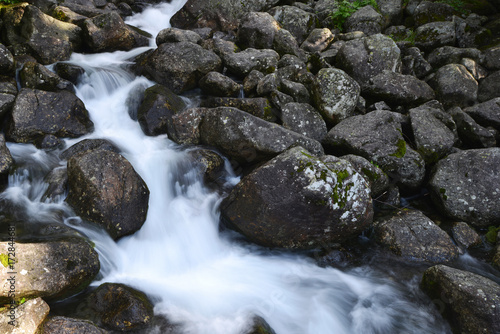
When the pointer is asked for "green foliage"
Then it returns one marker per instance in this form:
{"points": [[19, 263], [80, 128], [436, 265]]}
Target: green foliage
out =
{"points": [[8, 2], [409, 37], [346, 9]]}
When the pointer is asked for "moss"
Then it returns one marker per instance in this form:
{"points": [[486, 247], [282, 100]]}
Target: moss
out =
{"points": [[371, 175], [401, 149], [4, 259], [442, 191], [491, 235]]}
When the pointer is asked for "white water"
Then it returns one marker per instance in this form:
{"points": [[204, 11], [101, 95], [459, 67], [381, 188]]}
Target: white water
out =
{"points": [[196, 277]]}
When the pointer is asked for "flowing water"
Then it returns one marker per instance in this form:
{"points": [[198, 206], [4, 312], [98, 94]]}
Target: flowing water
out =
{"points": [[204, 280]]}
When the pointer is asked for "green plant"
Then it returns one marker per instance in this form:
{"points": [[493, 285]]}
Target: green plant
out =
{"points": [[8, 2], [346, 9]]}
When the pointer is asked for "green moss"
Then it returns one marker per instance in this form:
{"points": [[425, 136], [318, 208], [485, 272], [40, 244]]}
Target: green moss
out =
{"points": [[4, 259], [401, 149], [491, 235], [347, 8], [371, 175], [442, 191]]}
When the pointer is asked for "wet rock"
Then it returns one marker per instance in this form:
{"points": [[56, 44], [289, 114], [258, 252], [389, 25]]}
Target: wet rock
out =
{"points": [[257, 30], [455, 86], [51, 269], [469, 301], [105, 189], [413, 236], [377, 136], [365, 19], [471, 134], [38, 113], [179, 66], [158, 107], [217, 84], [36, 76], [434, 35], [374, 176], [88, 145], [209, 164], [318, 40], [242, 63], [6, 60], [57, 181], [486, 113], [297, 21], [303, 119], [119, 307], [257, 106], [465, 236], [452, 55], [27, 317], [466, 186], [335, 94], [260, 326], [185, 126], [299, 201], [366, 57], [108, 32], [249, 139], [398, 89], [64, 325], [489, 87], [69, 72], [173, 35], [6, 160]]}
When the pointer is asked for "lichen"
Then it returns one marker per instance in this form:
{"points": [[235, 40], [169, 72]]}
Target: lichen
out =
{"points": [[4, 259]]}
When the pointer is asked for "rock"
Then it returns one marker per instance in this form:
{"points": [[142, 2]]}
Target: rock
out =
{"points": [[67, 15], [268, 84], [6, 160], [366, 57], [476, 70], [251, 81], [157, 109], [257, 106], [38, 113], [466, 186], [377, 137], [36, 76], [69, 72], [469, 301], [8, 93], [209, 164], [6, 60], [173, 35], [119, 307], [470, 32], [434, 131], [365, 19], [260, 326], [303, 119], [489, 87], [398, 89], [51, 269], [296, 90], [455, 86], [279, 99], [486, 113], [434, 35], [27, 317], [415, 64], [108, 32], [452, 55], [105, 189], [318, 40], [374, 176], [64, 325], [242, 63], [297, 21], [299, 201], [249, 139], [413, 236], [217, 84], [492, 58], [57, 181], [185, 126], [284, 43], [427, 12], [88, 145], [324, 10], [471, 134], [179, 66], [335, 94], [465, 236], [257, 30], [392, 10], [84, 7]]}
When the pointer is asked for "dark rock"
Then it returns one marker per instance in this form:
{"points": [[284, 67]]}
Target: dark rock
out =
{"points": [[451, 55], [260, 326], [105, 189], [297, 21], [36, 76], [38, 113], [242, 63], [69, 71], [257, 106], [6, 60], [486, 113], [392, 10], [64, 325], [374, 176], [179, 66], [88, 145], [284, 43], [52, 269], [209, 164], [8, 92], [434, 35], [492, 58], [476, 70], [299, 201], [28, 317], [257, 30], [303, 119], [388, 200], [455, 86], [57, 181], [67, 15], [489, 87], [413, 236], [157, 109], [470, 32], [6, 160], [365, 19], [318, 40], [296, 90], [185, 126], [217, 84], [279, 99], [469, 301], [268, 84], [471, 134], [465, 236], [249, 139], [251, 81], [427, 12], [415, 64], [173, 35], [466, 186]]}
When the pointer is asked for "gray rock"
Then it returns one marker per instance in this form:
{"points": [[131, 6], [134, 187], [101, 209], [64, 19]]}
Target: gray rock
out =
{"points": [[392, 10], [477, 71], [284, 43], [36, 76], [318, 40], [67, 15], [489, 87], [323, 9], [70, 72], [469, 301], [299, 201], [268, 84], [492, 58], [377, 136], [465, 236], [209, 164], [51, 269], [257, 106], [365, 19], [374, 176], [304, 119], [105, 189], [413, 236], [185, 126], [251, 81], [434, 35], [173, 35], [427, 12], [296, 90], [88, 145], [57, 181], [257, 30], [217, 84], [242, 63], [249, 139], [470, 32], [179, 66], [452, 55], [38, 113], [64, 325], [335, 94], [279, 99], [8, 93], [27, 317], [297, 21], [466, 186], [415, 64], [486, 113], [455, 86], [471, 134], [6, 60], [6, 160]]}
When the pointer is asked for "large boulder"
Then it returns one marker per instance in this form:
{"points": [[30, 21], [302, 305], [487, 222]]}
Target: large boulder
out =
{"points": [[257, 106], [365, 19], [299, 201], [217, 84], [377, 136], [297, 21], [36, 76], [486, 113], [38, 113], [179, 66], [64, 325], [50, 269], [304, 119], [466, 185], [471, 134], [455, 86], [434, 35], [105, 189], [249, 139], [24, 318], [242, 63], [413, 236], [489, 87], [469, 301], [257, 30]]}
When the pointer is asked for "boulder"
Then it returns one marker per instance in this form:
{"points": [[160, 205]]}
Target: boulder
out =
{"points": [[365, 19], [297, 21], [374, 176], [434, 35], [36, 76], [489, 87], [65, 14], [427, 12], [242, 63], [8, 93], [27, 317], [257, 30], [268, 84], [469, 301], [260, 326], [452, 55], [209, 164], [415, 64], [296, 90], [284, 43], [455, 86], [377, 137], [217, 84], [173, 35], [88, 145], [179, 66], [318, 40], [108, 32], [6, 60], [466, 186], [38, 113], [335, 94], [50, 269], [465, 236], [6, 160], [471, 134], [249, 139], [70, 72], [303, 119], [492, 58], [392, 10], [299, 201], [250, 83], [105, 189], [185, 126], [57, 181], [257, 106], [64, 325], [486, 113]]}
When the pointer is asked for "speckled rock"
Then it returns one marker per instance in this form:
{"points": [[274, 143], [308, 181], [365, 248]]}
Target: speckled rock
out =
{"points": [[64, 325], [260, 326], [455, 86], [486, 113], [299, 201], [318, 40], [36, 76], [257, 30], [242, 63], [6, 60], [6, 160], [297, 21], [465, 236], [471, 134], [365, 19], [452, 55], [257, 106], [374, 176], [304, 119], [489, 87], [435, 34], [172, 35], [217, 84], [27, 317]]}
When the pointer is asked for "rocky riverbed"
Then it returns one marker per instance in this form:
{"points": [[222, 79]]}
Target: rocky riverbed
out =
{"points": [[381, 124]]}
